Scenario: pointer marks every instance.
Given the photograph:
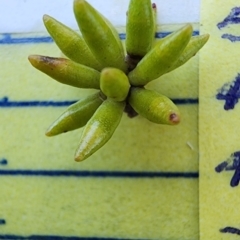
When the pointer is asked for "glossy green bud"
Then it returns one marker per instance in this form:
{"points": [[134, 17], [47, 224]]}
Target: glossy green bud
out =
{"points": [[140, 27], [76, 116], [160, 59], [100, 36], [194, 45], [66, 71], [99, 128], [154, 106], [114, 84], [70, 43]]}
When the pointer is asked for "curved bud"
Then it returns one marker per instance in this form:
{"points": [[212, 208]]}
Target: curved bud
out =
{"points": [[100, 128], [70, 43], [114, 84], [76, 116], [66, 71], [160, 59], [140, 27], [103, 41], [194, 45], [153, 106]]}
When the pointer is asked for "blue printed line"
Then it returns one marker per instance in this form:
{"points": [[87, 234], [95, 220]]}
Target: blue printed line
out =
{"points": [[98, 174], [52, 237], [6, 103], [8, 39], [2, 221], [181, 101], [164, 34]]}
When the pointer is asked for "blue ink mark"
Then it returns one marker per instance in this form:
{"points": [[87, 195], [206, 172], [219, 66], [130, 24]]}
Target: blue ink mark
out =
{"points": [[230, 92], [231, 37], [232, 18], [6, 103], [54, 237], [231, 164], [236, 177], [2, 221], [98, 174], [8, 38], [230, 230], [3, 161]]}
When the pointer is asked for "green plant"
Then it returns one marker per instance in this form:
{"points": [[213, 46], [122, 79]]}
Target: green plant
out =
{"points": [[97, 60]]}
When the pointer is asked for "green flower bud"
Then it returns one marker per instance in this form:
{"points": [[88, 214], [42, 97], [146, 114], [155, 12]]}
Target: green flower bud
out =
{"points": [[66, 71], [154, 106], [194, 45], [114, 84], [160, 59], [70, 43], [140, 27], [76, 116], [100, 36], [99, 128]]}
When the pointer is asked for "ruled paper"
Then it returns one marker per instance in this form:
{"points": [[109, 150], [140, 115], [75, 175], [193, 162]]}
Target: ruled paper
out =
{"points": [[142, 185]]}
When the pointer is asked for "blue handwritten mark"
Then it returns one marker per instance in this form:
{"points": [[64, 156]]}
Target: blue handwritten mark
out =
{"points": [[230, 92], [232, 18], [231, 164], [230, 230], [231, 37]]}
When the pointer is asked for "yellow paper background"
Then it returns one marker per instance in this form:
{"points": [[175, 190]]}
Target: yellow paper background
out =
{"points": [[117, 207], [218, 129]]}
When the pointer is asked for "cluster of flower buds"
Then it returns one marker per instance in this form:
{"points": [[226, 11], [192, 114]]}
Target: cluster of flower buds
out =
{"points": [[97, 59]]}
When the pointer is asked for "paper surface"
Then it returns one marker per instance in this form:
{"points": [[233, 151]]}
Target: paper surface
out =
{"points": [[219, 120], [143, 184]]}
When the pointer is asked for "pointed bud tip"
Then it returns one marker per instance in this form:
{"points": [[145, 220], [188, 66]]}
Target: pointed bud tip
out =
{"points": [[189, 26], [30, 57], [33, 59], [48, 133], [207, 36], [174, 118], [45, 17], [79, 158], [77, 3]]}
